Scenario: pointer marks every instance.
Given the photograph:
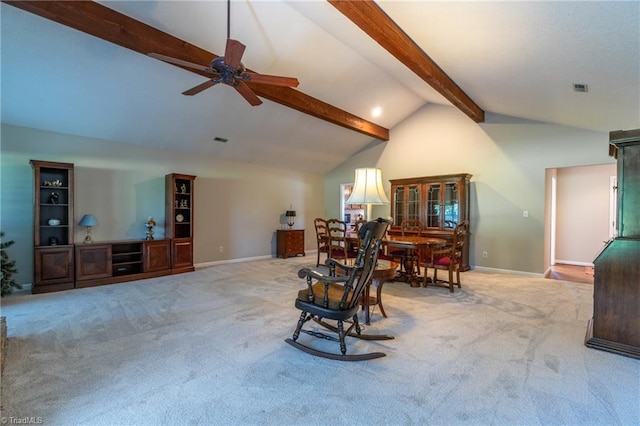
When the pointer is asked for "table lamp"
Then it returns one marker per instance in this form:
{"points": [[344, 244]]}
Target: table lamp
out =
{"points": [[88, 220], [290, 214], [367, 189]]}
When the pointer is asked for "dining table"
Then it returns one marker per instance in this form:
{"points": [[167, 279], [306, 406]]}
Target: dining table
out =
{"points": [[413, 245]]}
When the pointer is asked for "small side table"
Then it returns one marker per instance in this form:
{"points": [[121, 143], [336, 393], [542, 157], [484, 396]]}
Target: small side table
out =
{"points": [[290, 242], [385, 271]]}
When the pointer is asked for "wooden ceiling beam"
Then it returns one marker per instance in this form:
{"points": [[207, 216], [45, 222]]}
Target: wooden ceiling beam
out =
{"points": [[107, 24], [380, 27]]}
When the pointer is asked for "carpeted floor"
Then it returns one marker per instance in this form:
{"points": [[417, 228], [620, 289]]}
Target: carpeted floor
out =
{"points": [[208, 348]]}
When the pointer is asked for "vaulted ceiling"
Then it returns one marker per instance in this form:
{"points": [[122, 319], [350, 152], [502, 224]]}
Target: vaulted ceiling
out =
{"points": [[518, 59]]}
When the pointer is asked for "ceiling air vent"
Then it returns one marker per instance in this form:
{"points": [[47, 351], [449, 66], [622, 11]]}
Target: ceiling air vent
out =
{"points": [[579, 87], [219, 139]]}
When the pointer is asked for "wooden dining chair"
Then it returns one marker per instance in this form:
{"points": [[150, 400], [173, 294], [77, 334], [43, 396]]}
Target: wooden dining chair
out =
{"points": [[321, 237], [359, 223], [449, 258], [338, 244]]}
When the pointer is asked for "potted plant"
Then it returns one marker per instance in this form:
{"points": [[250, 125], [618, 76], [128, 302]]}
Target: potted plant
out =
{"points": [[8, 268]]}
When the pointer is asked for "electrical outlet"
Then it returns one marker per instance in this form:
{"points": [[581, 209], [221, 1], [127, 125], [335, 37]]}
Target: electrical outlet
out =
{"points": [[221, 249], [525, 213], [485, 254]]}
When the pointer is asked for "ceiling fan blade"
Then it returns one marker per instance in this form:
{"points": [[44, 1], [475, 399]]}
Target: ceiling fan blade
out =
{"points": [[247, 93], [199, 88], [181, 62], [274, 80], [233, 53]]}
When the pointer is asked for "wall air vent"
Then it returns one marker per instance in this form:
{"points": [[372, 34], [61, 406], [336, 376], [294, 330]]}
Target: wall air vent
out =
{"points": [[579, 87], [219, 139]]}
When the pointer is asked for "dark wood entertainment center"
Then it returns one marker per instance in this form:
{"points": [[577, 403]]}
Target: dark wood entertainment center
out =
{"points": [[60, 264]]}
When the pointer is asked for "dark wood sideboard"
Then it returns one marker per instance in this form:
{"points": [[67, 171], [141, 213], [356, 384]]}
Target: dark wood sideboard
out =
{"points": [[290, 242], [120, 261]]}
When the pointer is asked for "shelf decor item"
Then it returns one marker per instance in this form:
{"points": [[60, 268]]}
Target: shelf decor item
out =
{"points": [[291, 216], [150, 223], [88, 220]]}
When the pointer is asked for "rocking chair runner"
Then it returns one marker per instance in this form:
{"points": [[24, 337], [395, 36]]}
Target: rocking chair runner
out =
{"points": [[336, 297]]}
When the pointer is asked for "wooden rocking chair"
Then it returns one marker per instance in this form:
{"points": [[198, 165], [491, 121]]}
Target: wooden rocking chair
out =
{"points": [[336, 297]]}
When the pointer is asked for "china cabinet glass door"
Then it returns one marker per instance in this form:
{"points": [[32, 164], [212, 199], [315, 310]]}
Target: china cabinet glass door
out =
{"points": [[451, 203], [433, 206]]}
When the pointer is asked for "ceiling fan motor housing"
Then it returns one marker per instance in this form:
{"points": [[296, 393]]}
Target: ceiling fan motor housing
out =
{"points": [[226, 73]]}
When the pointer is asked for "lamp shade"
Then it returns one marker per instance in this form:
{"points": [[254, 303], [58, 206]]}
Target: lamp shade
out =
{"points": [[367, 188], [290, 213], [88, 220]]}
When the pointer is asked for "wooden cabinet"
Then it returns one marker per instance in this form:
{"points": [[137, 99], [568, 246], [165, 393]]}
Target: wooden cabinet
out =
{"points": [[290, 242], [615, 326], [179, 220], [439, 202], [93, 261], [157, 255], [53, 226], [121, 261], [53, 269]]}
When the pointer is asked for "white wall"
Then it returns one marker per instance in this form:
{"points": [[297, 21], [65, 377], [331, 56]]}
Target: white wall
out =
{"points": [[507, 158], [582, 219], [237, 206]]}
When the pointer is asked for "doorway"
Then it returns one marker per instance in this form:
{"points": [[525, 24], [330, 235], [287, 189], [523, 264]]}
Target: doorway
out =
{"points": [[578, 215]]}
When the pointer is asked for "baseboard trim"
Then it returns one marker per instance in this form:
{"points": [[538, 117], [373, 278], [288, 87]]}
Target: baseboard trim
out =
{"points": [[228, 261], [573, 263], [506, 271]]}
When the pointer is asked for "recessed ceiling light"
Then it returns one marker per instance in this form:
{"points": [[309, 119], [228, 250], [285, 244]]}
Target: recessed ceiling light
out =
{"points": [[218, 139], [580, 87], [376, 111]]}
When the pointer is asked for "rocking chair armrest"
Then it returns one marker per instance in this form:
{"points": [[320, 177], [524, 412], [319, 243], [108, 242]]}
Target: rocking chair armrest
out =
{"points": [[330, 262], [317, 275]]}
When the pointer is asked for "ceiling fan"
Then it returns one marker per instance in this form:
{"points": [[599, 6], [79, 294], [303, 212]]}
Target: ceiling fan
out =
{"points": [[229, 70]]}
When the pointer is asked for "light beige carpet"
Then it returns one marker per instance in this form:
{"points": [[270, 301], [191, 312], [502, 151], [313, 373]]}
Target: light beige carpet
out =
{"points": [[208, 348]]}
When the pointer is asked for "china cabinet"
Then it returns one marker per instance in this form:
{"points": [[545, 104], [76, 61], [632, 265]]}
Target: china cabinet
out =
{"points": [[439, 202], [179, 223], [53, 226]]}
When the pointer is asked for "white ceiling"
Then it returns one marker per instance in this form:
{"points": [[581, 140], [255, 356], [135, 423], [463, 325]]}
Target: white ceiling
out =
{"points": [[512, 58]]}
